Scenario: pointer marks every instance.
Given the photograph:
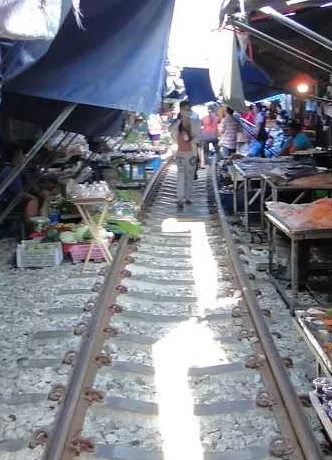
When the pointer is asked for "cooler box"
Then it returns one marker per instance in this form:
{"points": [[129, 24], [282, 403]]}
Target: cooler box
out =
{"points": [[33, 254]]}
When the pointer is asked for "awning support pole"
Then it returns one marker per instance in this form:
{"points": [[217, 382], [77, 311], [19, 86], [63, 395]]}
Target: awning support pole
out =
{"points": [[288, 22], [38, 145], [282, 46]]}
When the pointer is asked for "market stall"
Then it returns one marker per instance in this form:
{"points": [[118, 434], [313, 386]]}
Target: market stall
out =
{"points": [[102, 183], [278, 187], [314, 326], [302, 224], [246, 174]]}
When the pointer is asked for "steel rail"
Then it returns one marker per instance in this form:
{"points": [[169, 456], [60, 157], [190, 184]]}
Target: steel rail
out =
{"points": [[301, 428], [297, 27], [63, 431], [282, 46]]}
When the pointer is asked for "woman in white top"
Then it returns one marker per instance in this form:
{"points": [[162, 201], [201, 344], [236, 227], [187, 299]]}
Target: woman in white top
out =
{"points": [[154, 128]]}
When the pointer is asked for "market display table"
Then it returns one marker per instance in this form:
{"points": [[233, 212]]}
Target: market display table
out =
{"points": [[298, 187], [318, 337], [247, 173], [83, 206], [296, 236]]}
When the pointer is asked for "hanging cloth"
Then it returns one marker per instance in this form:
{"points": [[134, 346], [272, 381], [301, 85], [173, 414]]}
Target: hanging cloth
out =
{"points": [[34, 19], [224, 70]]}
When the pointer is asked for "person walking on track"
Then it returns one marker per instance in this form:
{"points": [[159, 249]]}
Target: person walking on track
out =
{"points": [[185, 132]]}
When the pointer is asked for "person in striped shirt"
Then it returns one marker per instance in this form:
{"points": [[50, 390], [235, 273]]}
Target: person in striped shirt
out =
{"points": [[230, 128]]}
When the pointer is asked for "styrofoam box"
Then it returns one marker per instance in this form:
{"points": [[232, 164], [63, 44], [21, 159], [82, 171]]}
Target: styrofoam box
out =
{"points": [[32, 254]]}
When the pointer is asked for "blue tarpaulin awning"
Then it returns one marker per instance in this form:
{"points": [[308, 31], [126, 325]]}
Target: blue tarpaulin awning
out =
{"points": [[256, 84], [117, 62]]}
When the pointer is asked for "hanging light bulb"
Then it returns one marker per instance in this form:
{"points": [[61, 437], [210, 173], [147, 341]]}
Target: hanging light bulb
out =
{"points": [[302, 88]]}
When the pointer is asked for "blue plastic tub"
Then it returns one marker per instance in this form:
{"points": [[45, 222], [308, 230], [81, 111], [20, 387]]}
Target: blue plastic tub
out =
{"points": [[154, 164]]}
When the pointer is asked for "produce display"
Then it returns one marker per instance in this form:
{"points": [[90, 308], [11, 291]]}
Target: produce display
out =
{"points": [[88, 191], [323, 393], [318, 321], [310, 216]]}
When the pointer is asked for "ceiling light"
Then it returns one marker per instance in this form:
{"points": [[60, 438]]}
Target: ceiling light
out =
{"points": [[326, 5], [290, 14], [295, 2]]}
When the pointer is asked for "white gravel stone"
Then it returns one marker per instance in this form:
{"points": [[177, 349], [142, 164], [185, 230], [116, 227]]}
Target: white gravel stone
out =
{"points": [[26, 296]]}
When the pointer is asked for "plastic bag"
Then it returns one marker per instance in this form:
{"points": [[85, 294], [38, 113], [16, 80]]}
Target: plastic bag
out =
{"points": [[34, 19]]}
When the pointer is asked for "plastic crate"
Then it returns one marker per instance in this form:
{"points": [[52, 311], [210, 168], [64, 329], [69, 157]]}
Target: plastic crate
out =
{"points": [[32, 254], [78, 253]]}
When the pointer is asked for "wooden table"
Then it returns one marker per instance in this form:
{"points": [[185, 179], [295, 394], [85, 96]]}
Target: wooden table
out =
{"points": [[296, 236], [83, 206], [298, 187]]}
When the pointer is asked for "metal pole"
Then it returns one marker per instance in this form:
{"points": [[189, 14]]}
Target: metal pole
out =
{"points": [[283, 46], [38, 145], [286, 21]]}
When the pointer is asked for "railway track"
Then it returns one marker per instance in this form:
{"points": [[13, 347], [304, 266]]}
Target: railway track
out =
{"points": [[176, 361]]}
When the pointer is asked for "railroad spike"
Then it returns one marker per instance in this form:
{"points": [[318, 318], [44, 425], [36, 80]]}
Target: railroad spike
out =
{"points": [[266, 312], [237, 312], [93, 396], [122, 289], [305, 401], [280, 447], [125, 274], [97, 287], [111, 331], [103, 360], [264, 399], [69, 358], [80, 329], [89, 306], [115, 309], [57, 393], [254, 362], [244, 334], [81, 445], [39, 438], [288, 362]]}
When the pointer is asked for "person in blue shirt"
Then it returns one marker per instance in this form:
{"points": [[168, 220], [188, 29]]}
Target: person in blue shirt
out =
{"points": [[296, 141]]}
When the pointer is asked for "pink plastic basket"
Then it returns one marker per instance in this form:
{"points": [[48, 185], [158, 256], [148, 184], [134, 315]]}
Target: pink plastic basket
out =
{"points": [[78, 253]]}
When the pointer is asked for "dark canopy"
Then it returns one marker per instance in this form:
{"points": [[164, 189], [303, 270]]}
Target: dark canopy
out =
{"points": [[279, 65], [116, 62]]}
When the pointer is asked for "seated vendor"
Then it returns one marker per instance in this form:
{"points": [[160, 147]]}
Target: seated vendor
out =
{"points": [[45, 190], [296, 141]]}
